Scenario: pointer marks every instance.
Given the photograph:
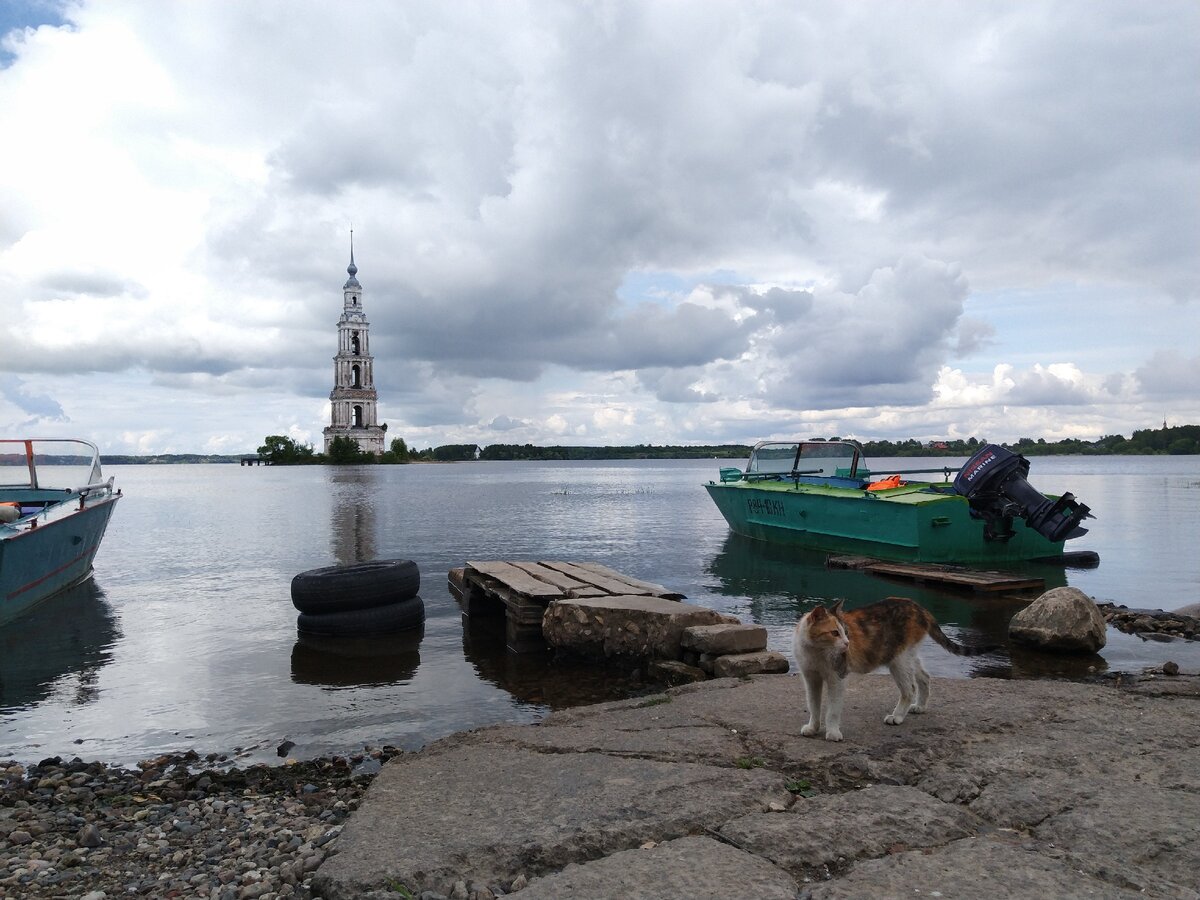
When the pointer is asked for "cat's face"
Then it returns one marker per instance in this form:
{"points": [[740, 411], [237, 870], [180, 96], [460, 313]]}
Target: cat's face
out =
{"points": [[822, 631]]}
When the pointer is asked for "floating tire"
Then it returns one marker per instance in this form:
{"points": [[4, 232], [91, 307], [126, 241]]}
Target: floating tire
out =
{"points": [[400, 616], [359, 586]]}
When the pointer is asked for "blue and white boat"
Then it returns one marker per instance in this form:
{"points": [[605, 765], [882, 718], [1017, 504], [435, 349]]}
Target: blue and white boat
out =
{"points": [[49, 534]]}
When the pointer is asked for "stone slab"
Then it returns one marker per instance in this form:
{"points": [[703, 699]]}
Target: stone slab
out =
{"points": [[827, 831], [993, 866], [470, 812], [1063, 790], [721, 639], [691, 867], [764, 662]]}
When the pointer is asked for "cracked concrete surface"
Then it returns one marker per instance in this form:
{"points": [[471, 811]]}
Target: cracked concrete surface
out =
{"points": [[1003, 788]]}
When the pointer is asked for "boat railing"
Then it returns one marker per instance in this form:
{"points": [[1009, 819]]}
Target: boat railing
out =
{"points": [[95, 486], [780, 476], [945, 471]]}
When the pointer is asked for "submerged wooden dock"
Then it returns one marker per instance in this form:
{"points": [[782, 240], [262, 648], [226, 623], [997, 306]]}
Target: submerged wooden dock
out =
{"points": [[977, 580], [521, 591]]}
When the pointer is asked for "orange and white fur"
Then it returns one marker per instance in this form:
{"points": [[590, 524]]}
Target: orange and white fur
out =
{"points": [[831, 643]]}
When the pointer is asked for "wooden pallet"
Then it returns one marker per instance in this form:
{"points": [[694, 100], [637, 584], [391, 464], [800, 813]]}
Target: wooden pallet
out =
{"points": [[521, 591]]}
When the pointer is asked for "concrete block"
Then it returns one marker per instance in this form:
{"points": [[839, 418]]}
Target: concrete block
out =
{"points": [[721, 639], [626, 626], [764, 662]]}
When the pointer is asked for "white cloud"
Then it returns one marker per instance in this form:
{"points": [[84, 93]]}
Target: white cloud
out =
{"points": [[829, 206]]}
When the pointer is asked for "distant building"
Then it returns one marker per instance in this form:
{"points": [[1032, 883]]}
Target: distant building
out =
{"points": [[353, 411]]}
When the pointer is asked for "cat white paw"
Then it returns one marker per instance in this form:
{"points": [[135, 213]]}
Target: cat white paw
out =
{"points": [[892, 719], [833, 734], [809, 730]]}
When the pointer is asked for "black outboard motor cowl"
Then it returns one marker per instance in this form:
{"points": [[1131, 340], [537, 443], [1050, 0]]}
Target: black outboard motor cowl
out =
{"points": [[993, 481]]}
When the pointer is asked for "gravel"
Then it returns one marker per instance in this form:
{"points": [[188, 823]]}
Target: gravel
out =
{"points": [[178, 826]]}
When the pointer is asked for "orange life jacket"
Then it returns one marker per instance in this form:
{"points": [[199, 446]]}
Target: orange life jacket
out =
{"points": [[883, 484]]}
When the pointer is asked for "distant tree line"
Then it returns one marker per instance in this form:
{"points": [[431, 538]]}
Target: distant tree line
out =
{"points": [[637, 451], [281, 450]]}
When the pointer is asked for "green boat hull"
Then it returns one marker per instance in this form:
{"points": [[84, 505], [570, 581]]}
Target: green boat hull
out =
{"points": [[925, 523]]}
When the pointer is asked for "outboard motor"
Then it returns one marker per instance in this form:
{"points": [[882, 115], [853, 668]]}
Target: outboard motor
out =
{"points": [[993, 481]]}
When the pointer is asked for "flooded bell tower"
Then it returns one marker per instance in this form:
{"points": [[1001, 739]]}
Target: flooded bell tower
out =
{"points": [[353, 400]]}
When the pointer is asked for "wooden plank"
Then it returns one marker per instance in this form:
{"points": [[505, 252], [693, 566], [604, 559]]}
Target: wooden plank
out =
{"points": [[588, 591], [593, 579], [514, 579], [974, 579], [649, 587], [552, 576], [613, 582]]}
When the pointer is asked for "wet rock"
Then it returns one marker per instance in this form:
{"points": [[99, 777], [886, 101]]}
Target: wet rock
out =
{"points": [[723, 639], [764, 662], [1063, 619], [1152, 623], [672, 671]]}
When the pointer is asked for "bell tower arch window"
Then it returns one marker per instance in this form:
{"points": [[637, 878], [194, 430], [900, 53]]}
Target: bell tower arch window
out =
{"points": [[354, 344], [358, 417]]}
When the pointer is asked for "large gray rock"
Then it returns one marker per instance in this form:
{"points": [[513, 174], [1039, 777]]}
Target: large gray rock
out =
{"points": [[1062, 619], [624, 626]]}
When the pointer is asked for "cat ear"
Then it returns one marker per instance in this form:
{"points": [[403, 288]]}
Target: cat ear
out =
{"points": [[836, 609]]}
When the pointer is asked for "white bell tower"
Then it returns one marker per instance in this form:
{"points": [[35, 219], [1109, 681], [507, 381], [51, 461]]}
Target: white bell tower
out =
{"points": [[353, 400]]}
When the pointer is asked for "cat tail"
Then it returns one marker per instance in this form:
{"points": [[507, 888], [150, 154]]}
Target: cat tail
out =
{"points": [[938, 635]]}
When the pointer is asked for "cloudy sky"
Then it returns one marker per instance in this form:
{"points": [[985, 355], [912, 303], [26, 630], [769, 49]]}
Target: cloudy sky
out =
{"points": [[599, 222]]}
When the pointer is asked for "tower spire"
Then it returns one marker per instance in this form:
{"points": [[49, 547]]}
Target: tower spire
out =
{"points": [[352, 269]]}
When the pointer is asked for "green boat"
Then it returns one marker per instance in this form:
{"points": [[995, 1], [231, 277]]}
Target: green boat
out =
{"points": [[815, 494]]}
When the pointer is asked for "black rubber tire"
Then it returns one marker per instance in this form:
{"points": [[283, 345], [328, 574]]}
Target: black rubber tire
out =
{"points": [[358, 586], [405, 614]]}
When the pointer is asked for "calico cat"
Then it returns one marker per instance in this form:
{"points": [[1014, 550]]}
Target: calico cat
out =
{"points": [[831, 643]]}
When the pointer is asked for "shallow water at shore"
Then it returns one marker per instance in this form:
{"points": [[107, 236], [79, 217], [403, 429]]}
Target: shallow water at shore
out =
{"points": [[187, 639]]}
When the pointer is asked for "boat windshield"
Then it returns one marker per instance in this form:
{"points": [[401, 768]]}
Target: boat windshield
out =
{"points": [[803, 457], [26, 463]]}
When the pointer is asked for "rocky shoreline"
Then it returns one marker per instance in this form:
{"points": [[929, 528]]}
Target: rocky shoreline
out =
{"points": [[186, 826], [1151, 621], [178, 826]]}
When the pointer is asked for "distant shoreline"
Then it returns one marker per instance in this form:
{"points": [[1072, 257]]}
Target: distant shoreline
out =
{"points": [[1179, 440]]}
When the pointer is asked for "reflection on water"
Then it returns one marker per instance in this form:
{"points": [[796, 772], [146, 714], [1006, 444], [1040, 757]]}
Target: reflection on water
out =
{"points": [[57, 649], [542, 678], [364, 661], [352, 526]]}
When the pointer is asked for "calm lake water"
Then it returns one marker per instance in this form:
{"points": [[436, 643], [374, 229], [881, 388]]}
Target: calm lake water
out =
{"points": [[186, 638]]}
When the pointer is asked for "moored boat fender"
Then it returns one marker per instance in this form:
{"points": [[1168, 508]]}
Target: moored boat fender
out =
{"points": [[398, 616], [355, 587]]}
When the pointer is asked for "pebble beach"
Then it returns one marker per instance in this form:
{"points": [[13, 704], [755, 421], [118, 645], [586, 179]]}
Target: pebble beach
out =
{"points": [[179, 826]]}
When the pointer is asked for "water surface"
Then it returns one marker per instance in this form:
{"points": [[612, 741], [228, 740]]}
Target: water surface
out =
{"points": [[186, 638]]}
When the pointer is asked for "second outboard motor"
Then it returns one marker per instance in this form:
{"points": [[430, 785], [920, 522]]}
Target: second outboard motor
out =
{"points": [[993, 481]]}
